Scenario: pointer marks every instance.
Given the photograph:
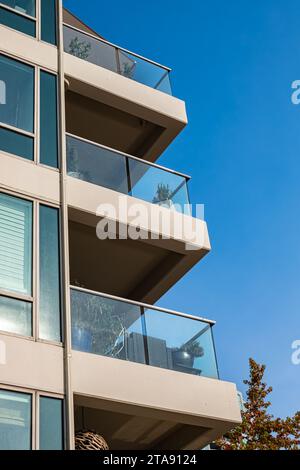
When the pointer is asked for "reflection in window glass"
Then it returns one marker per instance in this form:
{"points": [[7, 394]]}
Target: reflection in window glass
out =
{"points": [[48, 21], [15, 420], [18, 22], [15, 316], [51, 424], [22, 6], [48, 117], [15, 244], [50, 323], [17, 94], [16, 144]]}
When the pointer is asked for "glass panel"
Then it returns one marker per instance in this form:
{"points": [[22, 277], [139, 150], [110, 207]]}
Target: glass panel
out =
{"points": [[15, 420], [106, 327], [50, 305], [15, 316], [110, 57], [15, 244], [17, 100], [22, 6], [51, 424], [109, 169], [96, 165], [16, 144], [48, 120], [87, 48], [180, 343], [18, 22], [48, 21], [144, 72], [158, 186]]}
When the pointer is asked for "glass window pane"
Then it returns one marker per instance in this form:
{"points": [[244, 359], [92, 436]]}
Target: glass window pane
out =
{"points": [[18, 22], [15, 244], [15, 420], [51, 424], [15, 316], [16, 144], [180, 343], [50, 305], [48, 120], [106, 327], [17, 101], [48, 21], [23, 6], [96, 165]]}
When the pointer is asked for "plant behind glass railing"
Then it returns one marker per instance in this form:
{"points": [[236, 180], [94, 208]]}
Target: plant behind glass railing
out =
{"points": [[163, 193], [80, 49], [99, 318], [193, 348]]}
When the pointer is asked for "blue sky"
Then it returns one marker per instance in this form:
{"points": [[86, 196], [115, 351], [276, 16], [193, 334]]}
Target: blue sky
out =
{"points": [[233, 63]]}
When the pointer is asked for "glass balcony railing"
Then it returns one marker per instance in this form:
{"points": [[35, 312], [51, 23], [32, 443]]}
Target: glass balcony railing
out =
{"points": [[122, 329], [126, 174], [100, 52]]}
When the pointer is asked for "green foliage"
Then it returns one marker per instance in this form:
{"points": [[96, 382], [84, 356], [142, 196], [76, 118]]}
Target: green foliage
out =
{"points": [[193, 348], [163, 193], [259, 430], [80, 49]]}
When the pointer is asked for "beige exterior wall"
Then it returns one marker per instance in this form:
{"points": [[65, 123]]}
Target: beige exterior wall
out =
{"points": [[31, 364]]}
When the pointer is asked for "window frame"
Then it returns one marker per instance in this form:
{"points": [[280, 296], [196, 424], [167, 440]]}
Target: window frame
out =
{"points": [[37, 19], [35, 135], [34, 298], [35, 410]]}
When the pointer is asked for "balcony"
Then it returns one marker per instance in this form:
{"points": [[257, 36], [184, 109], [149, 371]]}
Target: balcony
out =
{"points": [[103, 166], [131, 331], [117, 98], [145, 377], [96, 50]]}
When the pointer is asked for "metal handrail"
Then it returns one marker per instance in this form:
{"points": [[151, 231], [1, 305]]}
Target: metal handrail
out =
{"points": [[145, 162], [118, 47], [143, 305]]}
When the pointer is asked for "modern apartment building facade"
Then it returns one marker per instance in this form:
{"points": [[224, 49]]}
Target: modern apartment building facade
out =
{"points": [[82, 346]]}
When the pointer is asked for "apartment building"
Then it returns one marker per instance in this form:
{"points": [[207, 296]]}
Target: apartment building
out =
{"points": [[82, 344]]}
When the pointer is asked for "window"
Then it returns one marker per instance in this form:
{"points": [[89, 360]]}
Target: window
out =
{"points": [[48, 120], [17, 81], [15, 264], [15, 20], [48, 21], [15, 244], [23, 414], [51, 424], [16, 107], [15, 420], [15, 316], [50, 305], [22, 6]]}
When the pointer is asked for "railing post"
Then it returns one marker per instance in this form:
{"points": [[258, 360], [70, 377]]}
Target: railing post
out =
{"points": [[145, 336]]}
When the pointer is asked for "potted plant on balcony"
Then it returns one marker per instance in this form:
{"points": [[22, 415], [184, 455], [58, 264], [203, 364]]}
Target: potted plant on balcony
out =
{"points": [[163, 196], [80, 49], [187, 353]]}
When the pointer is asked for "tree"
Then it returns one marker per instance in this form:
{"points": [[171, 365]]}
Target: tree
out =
{"points": [[259, 430]]}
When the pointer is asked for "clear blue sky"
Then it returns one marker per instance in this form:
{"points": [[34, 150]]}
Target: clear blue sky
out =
{"points": [[233, 63]]}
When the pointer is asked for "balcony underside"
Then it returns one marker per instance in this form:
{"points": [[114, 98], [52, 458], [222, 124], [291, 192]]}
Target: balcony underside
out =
{"points": [[135, 406], [141, 270], [121, 113]]}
